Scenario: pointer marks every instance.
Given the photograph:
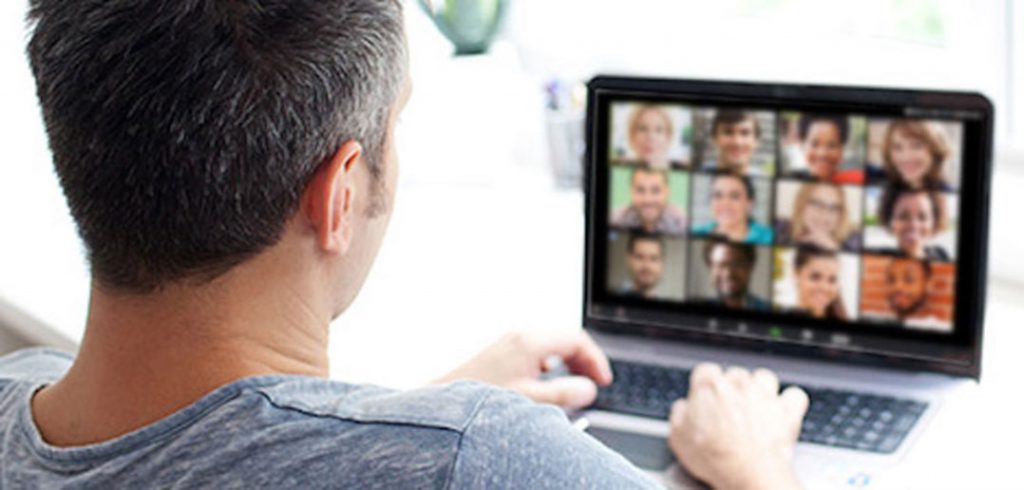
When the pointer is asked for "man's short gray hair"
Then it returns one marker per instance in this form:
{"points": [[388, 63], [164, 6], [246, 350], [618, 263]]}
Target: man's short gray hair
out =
{"points": [[184, 131]]}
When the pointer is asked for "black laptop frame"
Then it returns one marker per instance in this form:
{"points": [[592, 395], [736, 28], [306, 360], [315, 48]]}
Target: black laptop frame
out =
{"points": [[974, 209]]}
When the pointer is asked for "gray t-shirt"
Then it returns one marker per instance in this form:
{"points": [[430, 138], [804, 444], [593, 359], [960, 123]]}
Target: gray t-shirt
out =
{"points": [[303, 432]]}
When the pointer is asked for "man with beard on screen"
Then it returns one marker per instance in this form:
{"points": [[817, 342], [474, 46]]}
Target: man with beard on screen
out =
{"points": [[907, 282], [649, 208], [645, 264]]}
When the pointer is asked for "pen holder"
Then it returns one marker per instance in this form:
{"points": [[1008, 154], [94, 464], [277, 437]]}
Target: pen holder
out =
{"points": [[566, 147]]}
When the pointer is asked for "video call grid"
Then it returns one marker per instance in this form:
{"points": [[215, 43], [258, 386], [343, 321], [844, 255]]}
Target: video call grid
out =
{"points": [[777, 244]]}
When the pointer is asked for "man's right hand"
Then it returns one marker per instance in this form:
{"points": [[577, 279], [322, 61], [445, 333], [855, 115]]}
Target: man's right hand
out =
{"points": [[735, 430]]}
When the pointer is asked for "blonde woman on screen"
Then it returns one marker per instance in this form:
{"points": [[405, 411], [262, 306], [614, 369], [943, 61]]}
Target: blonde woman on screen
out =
{"points": [[820, 219], [914, 154], [650, 135]]}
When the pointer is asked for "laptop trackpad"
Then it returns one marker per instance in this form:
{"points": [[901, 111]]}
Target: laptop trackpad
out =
{"points": [[647, 452]]}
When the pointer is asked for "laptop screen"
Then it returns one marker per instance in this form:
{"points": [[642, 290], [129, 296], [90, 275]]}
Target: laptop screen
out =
{"points": [[838, 220]]}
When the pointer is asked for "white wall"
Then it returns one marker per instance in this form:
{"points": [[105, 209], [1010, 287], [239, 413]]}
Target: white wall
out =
{"points": [[865, 42]]}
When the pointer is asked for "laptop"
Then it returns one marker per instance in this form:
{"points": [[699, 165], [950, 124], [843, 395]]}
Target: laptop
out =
{"points": [[835, 235]]}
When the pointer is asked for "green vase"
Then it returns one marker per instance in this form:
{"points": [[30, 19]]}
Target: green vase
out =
{"points": [[469, 24]]}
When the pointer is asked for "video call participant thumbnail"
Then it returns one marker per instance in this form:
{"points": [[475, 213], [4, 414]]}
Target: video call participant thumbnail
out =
{"points": [[820, 217], [649, 208], [817, 276], [730, 269], [650, 135], [732, 201], [914, 217], [904, 290], [907, 282], [645, 265], [914, 154], [735, 135], [823, 139]]}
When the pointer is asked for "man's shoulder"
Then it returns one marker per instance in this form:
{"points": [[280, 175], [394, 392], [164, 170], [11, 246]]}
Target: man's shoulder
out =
{"points": [[461, 435], [294, 431], [512, 439], [493, 436], [333, 434], [34, 364], [449, 407]]}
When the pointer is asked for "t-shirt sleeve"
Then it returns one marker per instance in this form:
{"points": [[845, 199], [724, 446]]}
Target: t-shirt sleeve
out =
{"points": [[512, 442], [34, 363]]}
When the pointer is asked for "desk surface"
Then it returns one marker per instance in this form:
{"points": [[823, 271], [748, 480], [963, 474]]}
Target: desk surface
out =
{"points": [[481, 243]]}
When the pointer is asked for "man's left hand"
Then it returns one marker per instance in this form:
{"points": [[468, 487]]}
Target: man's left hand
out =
{"points": [[517, 360]]}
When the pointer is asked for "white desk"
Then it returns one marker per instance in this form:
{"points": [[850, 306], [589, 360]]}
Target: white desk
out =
{"points": [[480, 243]]}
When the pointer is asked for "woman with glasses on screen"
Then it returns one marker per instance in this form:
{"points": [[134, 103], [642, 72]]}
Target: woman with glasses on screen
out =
{"points": [[820, 218], [816, 273], [732, 205], [914, 153]]}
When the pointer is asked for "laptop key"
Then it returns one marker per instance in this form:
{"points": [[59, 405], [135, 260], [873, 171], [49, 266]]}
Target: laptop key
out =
{"points": [[905, 422], [890, 443]]}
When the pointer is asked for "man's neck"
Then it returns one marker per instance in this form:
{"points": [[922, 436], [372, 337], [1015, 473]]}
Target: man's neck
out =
{"points": [[144, 357]]}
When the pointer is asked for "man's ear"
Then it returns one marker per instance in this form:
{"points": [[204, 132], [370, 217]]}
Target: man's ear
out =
{"points": [[328, 202]]}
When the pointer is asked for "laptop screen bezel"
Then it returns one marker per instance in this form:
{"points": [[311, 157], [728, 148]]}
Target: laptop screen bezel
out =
{"points": [[973, 234]]}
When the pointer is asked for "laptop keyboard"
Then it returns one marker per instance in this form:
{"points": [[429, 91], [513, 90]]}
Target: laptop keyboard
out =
{"points": [[837, 418]]}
